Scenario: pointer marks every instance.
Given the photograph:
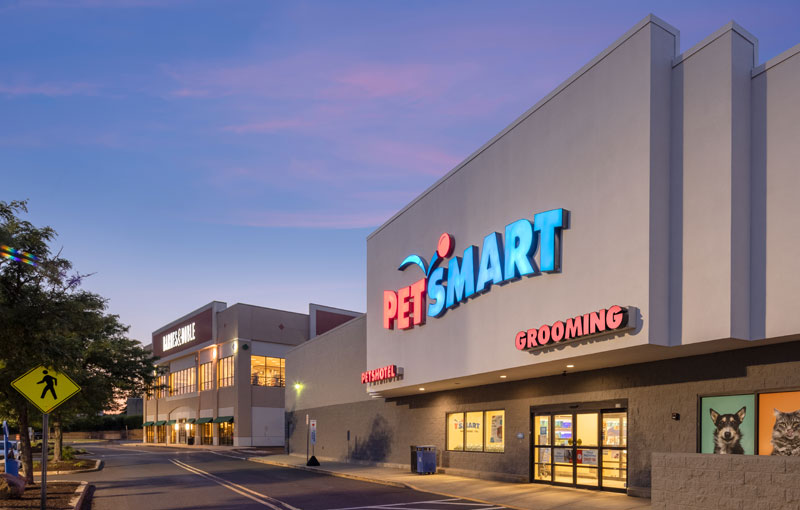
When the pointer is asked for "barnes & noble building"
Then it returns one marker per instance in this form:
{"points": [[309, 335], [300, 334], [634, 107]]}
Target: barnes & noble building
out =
{"points": [[222, 373], [612, 275]]}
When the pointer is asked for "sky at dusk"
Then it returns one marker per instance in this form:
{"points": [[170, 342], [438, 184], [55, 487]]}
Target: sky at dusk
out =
{"points": [[242, 151]]}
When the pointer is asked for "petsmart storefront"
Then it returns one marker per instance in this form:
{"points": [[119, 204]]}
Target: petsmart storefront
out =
{"points": [[611, 276]]}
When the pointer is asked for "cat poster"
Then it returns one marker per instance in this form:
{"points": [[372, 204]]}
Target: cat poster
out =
{"points": [[728, 424], [779, 423]]}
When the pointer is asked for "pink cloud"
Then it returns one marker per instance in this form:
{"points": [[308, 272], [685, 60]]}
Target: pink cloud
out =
{"points": [[269, 126], [49, 89], [385, 81], [333, 219], [190, 93]]}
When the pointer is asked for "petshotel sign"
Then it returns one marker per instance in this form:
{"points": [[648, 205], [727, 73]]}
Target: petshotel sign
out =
{"points": [[474, 273]]}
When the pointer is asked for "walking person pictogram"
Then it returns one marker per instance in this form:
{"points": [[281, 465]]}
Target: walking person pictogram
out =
{"points": [[50, 383]]}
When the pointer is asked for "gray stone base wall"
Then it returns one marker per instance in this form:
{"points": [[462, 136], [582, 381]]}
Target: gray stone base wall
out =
{"points": [[736, 482], [381, 431]]}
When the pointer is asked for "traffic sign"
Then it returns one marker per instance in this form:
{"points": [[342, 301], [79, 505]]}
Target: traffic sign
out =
{"points": [[313, 431], [45, 388]]}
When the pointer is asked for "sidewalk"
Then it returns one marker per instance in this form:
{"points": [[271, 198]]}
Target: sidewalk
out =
{"points": [[523, 496]]}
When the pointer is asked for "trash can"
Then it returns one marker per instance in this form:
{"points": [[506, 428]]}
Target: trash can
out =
{"points": [[190, 440], [423, 459]]}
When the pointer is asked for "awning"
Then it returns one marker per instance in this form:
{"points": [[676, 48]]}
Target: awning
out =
{"points": [[160, 423], [190, 420], [147, 424], [223, 419], [171, 422], [200, 421]]}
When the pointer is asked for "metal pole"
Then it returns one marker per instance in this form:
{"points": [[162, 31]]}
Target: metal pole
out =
{"points": [[45, 429], [308, 433]]}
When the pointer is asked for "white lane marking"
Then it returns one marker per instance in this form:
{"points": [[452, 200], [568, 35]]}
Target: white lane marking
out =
{"points": [[244, 491], [408, 505], [226, 455]]}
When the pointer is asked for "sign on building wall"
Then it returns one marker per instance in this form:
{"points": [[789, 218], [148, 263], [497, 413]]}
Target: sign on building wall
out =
{"points": [[192, 331], [502, 258]]}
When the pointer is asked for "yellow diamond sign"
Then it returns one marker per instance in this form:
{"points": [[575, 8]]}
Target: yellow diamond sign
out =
{"points": [[45, 388]]}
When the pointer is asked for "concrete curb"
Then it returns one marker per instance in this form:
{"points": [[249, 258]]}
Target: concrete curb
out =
{"points": [[98, 465], [368, 479], [79, 498]]}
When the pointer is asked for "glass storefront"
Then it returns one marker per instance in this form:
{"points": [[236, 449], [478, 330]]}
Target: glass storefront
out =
{"points": [[206, 433], [226, 434], [582, 448]]}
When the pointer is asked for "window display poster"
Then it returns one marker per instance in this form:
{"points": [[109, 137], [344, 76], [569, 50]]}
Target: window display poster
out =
{"points": [[779, 423], [728, 424], [588, 457], [496, 431]]}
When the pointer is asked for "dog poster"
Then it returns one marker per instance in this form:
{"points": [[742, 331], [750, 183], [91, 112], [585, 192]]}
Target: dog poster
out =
{"points": [[728, 425], [779, 423]]}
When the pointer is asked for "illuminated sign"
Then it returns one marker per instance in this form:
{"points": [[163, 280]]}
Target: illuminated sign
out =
{"points": [[475, 271], [178, 337], [607, 320], [379, 374]]}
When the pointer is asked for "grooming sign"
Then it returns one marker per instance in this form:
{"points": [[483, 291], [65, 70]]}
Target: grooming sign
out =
{"points": [[607, 320], [503, 258]]}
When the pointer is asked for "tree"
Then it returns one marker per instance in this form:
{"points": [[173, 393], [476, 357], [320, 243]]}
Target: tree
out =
{"points": [[48, 319]]}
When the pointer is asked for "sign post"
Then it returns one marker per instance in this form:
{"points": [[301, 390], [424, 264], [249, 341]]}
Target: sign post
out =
{"points": [[41, 387], [307, 435], [313, 430]]}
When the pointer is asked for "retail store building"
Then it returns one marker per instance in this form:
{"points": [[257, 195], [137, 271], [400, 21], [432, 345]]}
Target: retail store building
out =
{"points": [[608, 277], [222, 373]]}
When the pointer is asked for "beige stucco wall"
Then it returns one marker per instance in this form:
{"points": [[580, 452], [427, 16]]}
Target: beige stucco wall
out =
{"points": [[328, 367]]}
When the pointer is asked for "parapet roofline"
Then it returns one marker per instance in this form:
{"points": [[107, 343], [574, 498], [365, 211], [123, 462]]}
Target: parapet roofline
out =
{"points": [[268, 308], [211, 305], [731, 26], [650, 18]]}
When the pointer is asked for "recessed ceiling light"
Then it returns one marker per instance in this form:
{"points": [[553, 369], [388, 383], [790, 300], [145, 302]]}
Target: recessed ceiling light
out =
{"points": [[422, 389], [503, 376], [570, 366]]}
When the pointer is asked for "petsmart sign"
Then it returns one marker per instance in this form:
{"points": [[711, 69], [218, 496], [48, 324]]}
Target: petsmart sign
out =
{"points": [[501, 259]]}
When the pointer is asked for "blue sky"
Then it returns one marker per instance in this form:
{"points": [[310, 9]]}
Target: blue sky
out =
{"points": [[243, 150]]}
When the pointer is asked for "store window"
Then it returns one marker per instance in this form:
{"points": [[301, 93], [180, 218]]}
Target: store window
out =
{"points": [[476, 431], [182, 382], [267, 371], [455, 431], [161, 433], [207, 433], [474, 434], [494, 431], [225, 372], [150, 431], [206, 377], [226, 434], [162, 387]]}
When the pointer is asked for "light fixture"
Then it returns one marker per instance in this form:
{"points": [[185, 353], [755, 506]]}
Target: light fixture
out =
{"points": [[235, 346], [187, 427], [298, 387], [422, 389], [177, 426], [503, 376], [570, 366], [214, 353]]}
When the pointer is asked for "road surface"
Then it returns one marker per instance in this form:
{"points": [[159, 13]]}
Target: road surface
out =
{"points": [[141, 478]]}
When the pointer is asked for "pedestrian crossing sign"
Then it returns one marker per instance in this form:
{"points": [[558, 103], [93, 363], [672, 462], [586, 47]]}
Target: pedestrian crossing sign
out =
{"points": [[45, 388]]}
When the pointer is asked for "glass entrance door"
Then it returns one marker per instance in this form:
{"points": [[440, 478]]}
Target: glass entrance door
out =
{"points": [[582, 449]]}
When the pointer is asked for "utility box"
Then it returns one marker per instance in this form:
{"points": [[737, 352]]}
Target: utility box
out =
{"points": [[423, 459]]}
